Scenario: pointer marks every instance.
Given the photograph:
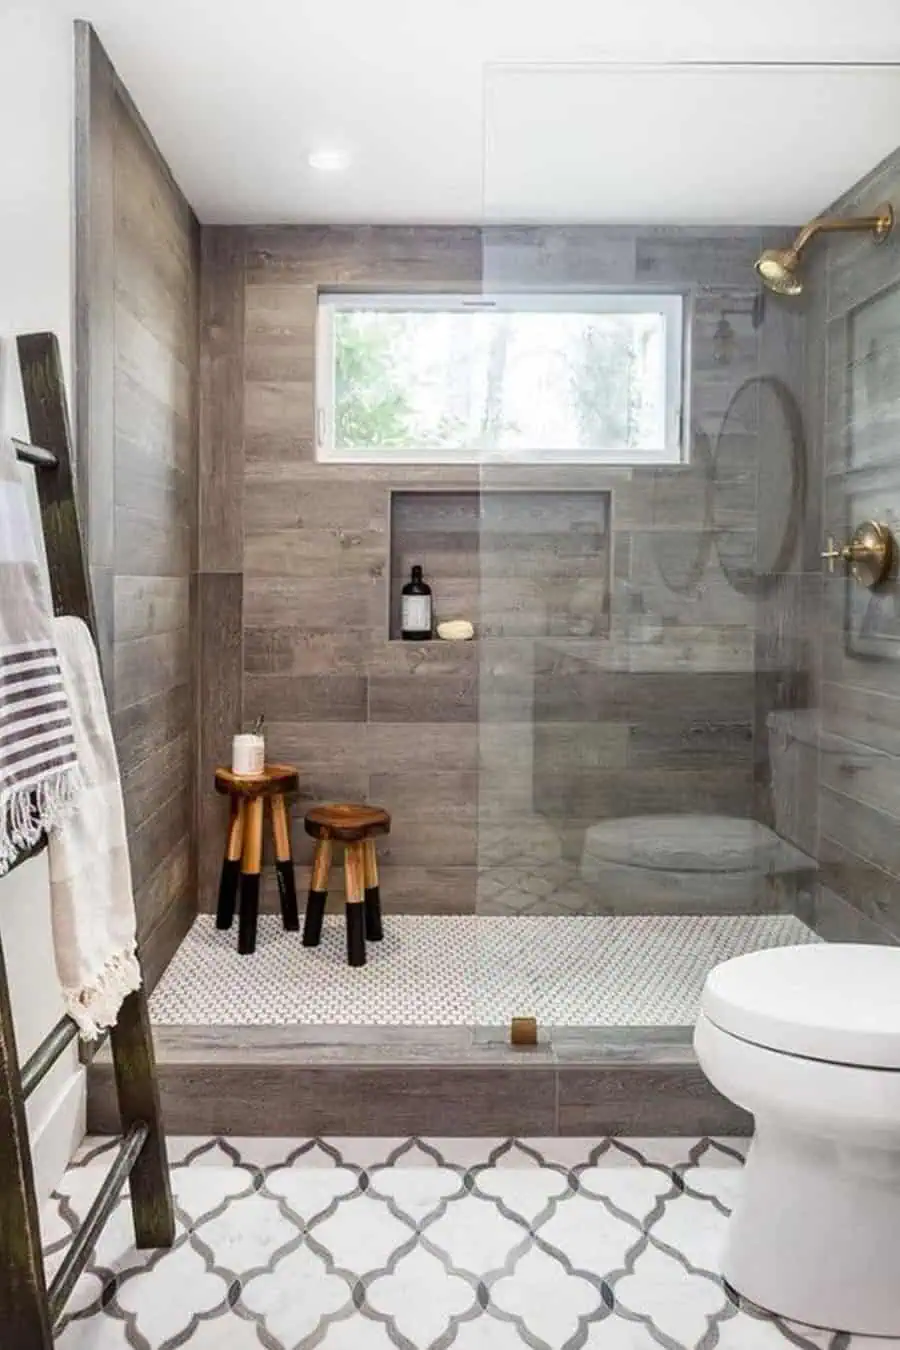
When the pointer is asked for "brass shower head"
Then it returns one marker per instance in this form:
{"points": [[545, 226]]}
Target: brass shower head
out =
{"points": [[779, 267]]}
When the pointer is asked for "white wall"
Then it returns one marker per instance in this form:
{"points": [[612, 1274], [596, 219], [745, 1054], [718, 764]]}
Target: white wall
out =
{"points": [[36, 287]]}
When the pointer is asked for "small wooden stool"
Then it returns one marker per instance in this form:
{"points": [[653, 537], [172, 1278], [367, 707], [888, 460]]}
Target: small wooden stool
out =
{"points": [[356, 827], [243, 852]]}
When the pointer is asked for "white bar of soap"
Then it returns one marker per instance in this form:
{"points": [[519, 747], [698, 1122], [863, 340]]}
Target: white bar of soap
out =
{"points": [[456, 630]]}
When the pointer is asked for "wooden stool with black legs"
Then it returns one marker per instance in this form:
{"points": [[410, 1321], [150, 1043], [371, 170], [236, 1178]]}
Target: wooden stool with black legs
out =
{"points": [[243, 851], [356, 827]]}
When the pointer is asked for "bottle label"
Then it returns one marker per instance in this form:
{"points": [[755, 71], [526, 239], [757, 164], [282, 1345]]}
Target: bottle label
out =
{"points": [[415, 613]]}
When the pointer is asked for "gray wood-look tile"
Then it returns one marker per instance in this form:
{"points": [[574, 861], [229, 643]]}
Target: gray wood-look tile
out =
{"points": [[419, 791], [514, 549], [218, 683], [147, 666], [95, 227], [338, 747], [410, 889], [151, 841], [305, 698], [163, 916], [874, 892], [279, 332], [137, 359], [836, 919], [423, 698], [147, 785], [415, 256], [871, 834], [304, 601], [142, 728], [147, 606], [279, 423], [221, 434], [543, 256], [636, 1100], [695, 256], [296, 651], [433, 841], [439, 746], [851, 319], [311, 1080]]}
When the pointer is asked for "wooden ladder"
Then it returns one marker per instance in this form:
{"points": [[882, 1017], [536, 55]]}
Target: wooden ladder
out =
{"points": [[28, 1308]]}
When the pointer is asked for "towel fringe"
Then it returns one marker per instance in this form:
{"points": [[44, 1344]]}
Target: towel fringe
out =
{"points": [[95, 1007], [29, 812]]}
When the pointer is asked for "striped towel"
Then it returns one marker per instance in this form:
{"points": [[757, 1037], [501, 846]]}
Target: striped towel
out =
{"points": [[91, 900], [39, 771]]}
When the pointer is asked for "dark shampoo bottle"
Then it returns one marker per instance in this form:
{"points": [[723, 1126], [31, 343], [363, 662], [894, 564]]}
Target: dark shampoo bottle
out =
{"points": [[415, 609]]}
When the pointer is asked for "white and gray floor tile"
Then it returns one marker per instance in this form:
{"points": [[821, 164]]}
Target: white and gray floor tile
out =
{"points": [[376, 1244]]}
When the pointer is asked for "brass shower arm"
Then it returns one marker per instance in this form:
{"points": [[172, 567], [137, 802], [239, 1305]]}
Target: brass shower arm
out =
{"points": [[780, 267], [879, 224]]}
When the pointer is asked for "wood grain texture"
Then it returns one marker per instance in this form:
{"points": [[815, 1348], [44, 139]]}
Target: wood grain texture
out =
{"points": [[850, 802], [137, 357], [23, 1290], [94, 392], [217, 697], [292, 1080], [138, 1097], [537, 551], [637, 1100], [446, 1098], [221, 441], [161, 896]]}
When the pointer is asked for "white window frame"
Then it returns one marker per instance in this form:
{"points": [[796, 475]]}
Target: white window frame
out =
{"points": [[673, 305]]}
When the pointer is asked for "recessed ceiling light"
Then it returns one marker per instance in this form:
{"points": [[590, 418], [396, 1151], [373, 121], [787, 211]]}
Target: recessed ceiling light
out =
{"points": [[329, 161]]}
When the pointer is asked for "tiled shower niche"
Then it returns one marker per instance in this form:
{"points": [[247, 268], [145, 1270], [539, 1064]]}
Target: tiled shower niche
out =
{"points": [[519, 564]]}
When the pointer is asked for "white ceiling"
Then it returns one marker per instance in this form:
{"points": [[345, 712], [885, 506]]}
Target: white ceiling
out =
{"points": [[439, 129]]}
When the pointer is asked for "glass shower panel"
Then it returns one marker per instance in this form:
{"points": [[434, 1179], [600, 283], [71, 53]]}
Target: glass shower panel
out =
{"points": [[647, 702]]}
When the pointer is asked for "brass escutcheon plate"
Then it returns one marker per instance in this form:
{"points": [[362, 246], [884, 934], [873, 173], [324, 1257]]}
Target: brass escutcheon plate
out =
{"points": [[871, 553]]}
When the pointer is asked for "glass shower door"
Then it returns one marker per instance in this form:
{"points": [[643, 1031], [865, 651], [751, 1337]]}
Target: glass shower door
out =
{"points": [[644, 643]]}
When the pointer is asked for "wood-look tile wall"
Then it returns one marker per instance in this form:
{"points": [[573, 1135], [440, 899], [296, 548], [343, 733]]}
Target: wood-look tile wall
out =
{"points": [[137, 384], [294, 576], [853, 319]]}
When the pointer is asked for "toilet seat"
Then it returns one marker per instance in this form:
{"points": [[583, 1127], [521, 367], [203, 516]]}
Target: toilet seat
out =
{"points": [[834, 1002], [684, 843]]}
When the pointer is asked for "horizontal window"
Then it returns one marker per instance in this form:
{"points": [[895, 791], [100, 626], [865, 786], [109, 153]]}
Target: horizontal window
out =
{"points": [[525, 378]]}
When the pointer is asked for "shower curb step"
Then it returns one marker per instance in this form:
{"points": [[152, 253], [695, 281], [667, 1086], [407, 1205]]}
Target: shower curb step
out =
{"points": [[399, 1081]]}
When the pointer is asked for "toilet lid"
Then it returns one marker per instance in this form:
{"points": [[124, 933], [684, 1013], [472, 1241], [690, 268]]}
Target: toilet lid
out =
{"points": [[837, 1002], [684, 843]]}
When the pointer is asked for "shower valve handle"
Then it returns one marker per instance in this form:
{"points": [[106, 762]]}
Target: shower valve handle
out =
{"points": [[834, 551]]}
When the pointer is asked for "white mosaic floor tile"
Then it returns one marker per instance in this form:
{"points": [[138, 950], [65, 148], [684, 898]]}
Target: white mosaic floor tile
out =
{"points": [[464, 970], [368, 1244]]}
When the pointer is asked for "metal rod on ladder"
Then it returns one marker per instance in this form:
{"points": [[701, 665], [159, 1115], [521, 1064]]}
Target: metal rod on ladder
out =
{"points": [[35, 454], [36, 1068], [85, 1239]]}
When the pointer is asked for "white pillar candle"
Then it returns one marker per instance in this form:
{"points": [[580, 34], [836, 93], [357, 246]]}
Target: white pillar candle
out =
{"points": [[248, 755]]}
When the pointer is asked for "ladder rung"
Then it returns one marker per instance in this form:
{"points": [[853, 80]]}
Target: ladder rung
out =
{"points": [[36, 455], [76, 1258], [48, 1052]]}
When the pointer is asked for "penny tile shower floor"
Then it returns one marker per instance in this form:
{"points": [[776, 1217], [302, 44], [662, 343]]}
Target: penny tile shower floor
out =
{"points": [[374, 1244], [464, 970]]}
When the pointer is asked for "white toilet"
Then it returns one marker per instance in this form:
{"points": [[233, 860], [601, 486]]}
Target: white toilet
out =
{"points": [[808, 1040]]}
